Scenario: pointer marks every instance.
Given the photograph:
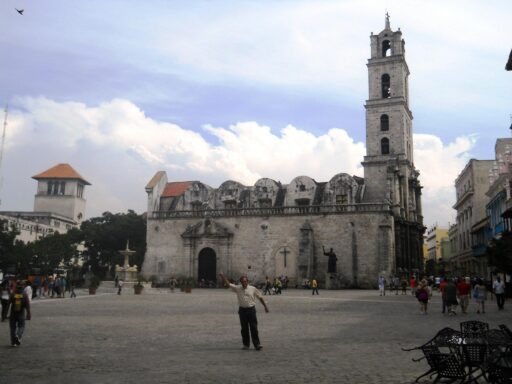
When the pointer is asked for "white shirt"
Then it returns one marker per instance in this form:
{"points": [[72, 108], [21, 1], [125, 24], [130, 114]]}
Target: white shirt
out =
{"points": [[499, 287], [246, 297], [28, 292]]}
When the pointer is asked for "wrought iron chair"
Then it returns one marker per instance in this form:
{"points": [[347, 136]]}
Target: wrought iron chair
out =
{"points": [[446, 337], [474, 357], [506, 330], [473, 329], [428, 351], [448, 366]]}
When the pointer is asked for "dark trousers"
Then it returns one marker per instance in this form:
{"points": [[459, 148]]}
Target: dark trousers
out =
{"points": [[315, 290], [500, 300], [17, 325], [5, 308], [248, 321]]}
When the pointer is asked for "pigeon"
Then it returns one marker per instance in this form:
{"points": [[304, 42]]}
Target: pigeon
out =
{"points": [[20, 11]]}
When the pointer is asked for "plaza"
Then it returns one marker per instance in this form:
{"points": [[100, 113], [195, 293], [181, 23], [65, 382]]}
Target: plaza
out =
{"points": [[342, 336]]}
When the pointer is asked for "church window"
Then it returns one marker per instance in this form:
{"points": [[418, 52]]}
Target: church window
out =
{"points": [[62, 187], [341, 199], [386, 48], [384, 146], [386, 86], [384, 122]]}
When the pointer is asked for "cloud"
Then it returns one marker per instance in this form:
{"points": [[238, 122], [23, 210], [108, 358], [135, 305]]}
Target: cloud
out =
{"points": [[439, 166], [116, 147]]}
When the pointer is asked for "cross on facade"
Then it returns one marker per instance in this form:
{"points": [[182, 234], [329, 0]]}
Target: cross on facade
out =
{"points": [[284, 252]]}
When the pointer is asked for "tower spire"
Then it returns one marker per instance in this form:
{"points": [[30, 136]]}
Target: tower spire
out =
{"points": [[387, 25]]}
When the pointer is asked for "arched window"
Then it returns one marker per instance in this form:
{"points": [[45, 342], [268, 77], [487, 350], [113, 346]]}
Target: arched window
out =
{"points": [[386, 86], [384, 122], [386, 48], [384, 146]]}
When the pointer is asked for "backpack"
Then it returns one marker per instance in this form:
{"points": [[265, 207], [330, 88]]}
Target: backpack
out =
{"points": [[18, 302]]}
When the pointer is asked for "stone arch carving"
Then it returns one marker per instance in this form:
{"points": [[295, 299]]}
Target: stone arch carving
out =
{"points": [[265, 193], [230, 195], [301, 191], [341, 189]]}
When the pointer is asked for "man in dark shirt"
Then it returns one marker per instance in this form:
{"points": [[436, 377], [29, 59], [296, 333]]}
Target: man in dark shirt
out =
{"points": [[19, 312]]}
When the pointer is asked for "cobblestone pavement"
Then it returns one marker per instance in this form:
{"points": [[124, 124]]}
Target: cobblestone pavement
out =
{"points": [[162, 337]]}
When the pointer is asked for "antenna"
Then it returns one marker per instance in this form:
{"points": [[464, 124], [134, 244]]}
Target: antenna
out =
{"points": [[2, 146]]}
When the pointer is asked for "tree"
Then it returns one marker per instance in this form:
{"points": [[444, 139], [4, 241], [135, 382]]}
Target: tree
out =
{"points": [[499, 252], [9, 249], [51, 251], [106, 235]]}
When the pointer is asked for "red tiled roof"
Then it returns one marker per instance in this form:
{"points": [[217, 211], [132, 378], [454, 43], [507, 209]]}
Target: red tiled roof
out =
{"points": [[60, 171], [176, 188]]}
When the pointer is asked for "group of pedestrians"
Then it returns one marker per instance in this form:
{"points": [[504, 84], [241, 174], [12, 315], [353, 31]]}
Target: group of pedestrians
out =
{"points": [[459, 291], [275, 287]]}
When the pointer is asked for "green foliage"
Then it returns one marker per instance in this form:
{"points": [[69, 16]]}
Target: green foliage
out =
{"points": [[102, 236], [499, 252], [106, 235]]}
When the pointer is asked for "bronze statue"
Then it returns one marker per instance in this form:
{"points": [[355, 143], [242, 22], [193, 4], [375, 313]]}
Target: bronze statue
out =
{"points": [[331, 266]]}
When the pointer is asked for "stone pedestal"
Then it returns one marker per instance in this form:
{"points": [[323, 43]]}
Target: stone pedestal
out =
{"points": [[333, 281]]}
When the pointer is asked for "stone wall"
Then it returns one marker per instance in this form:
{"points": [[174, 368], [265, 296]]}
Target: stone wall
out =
{"points": [[258, 246]]}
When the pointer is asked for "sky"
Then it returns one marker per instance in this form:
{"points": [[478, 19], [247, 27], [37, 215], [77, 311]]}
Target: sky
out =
{"points": [[220, 90]]}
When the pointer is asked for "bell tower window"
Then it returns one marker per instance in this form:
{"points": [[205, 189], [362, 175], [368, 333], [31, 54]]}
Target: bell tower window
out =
{"points": [[384, 122], [386, 48], [386, 86], [384, 146]]}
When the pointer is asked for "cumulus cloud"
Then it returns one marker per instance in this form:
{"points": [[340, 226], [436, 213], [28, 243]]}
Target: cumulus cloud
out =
{"points": [[118, 148], [439, 165]]}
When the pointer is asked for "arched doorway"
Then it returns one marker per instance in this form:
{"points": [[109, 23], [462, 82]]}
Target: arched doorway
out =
{"points": [[207, 265]]}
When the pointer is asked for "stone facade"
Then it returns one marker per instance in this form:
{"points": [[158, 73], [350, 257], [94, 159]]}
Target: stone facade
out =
{"points": [[374, 225], [470, 186]]}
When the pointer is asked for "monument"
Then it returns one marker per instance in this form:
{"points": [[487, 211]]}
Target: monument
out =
{"points": [[127, 273]]}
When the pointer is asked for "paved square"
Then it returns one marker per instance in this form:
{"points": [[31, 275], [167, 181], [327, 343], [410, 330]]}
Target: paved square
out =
{"points": [[349, 336]]}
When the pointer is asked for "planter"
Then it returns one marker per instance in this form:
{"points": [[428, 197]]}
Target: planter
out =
{"points": [[137, 289], [188, 289], [92, 290]]}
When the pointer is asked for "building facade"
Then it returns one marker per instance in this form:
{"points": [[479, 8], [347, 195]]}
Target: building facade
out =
{"points": [[369, 226], [471, 186], [59, 205]]}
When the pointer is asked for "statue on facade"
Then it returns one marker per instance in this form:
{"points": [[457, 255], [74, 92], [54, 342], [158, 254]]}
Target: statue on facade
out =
{"points": [[331, 266]]}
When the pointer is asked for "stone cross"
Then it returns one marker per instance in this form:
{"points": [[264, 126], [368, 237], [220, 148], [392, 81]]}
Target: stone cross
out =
{"points": [[284, 252]]}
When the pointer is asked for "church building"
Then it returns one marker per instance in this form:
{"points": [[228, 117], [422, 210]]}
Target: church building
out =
{"points": [[345, 232]]}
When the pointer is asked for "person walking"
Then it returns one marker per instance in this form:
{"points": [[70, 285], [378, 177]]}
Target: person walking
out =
{"points": [[5, 294], [403, 282], [382, 286], [463, 291], [119, 286], [413, 284], [314, 286], [480, 296], [442, 286], [451, 296], [268, 286], [247, 295], [19, 312], [422, 296], [72, 294], [499, 291]]}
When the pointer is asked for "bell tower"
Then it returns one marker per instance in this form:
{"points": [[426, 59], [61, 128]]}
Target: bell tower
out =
{"points": [[389, 163]]}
